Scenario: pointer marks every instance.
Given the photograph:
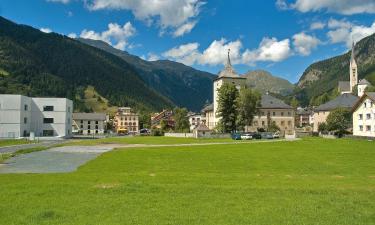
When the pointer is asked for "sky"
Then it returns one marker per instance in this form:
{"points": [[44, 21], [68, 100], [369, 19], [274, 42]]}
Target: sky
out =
{"points": [[283, 37]]}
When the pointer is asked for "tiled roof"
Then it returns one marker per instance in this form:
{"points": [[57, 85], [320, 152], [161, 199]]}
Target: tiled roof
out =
{"points": [[270, 102], [344, 86], [343, 101], [207, 108]]}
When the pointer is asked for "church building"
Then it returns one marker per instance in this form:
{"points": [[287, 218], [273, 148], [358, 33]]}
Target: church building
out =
{"points": [[348, 86]]}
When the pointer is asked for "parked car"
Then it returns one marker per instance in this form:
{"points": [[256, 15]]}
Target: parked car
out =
{"points": [[267, 135], [236, 136], [256, 135], [144, 131], [276, 134], [246, 136]]}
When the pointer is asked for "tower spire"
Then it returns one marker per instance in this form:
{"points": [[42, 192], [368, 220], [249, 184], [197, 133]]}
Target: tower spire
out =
{"points": [[353, 57], [228, 60]]}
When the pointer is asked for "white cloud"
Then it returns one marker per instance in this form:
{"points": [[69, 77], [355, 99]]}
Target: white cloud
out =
{"points": [[115, 35], [347, 32], [45, 30], [152, 57], [72, 35], [184, 29], [270, 50], [317, 26], [59, 1], [346, 7], [175, 14], [304, 43]]}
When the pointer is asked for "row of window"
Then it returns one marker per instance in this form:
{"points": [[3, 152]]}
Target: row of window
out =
{"points": [[89, 122], [368, 128], [130, 124], [89, 127], [274, 113], [282, 123], [46, 108], [368, 104], [45, 120], [368, 116], [126, 118]]}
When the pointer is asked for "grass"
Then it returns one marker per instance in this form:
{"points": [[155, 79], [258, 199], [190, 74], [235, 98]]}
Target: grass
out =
{"points": [[312, 181], [147, 140], [9, 142]]}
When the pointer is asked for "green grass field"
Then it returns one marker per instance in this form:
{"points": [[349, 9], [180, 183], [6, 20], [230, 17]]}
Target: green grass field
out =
{"points": [[148, 140], [313, 181], [9, 142]]}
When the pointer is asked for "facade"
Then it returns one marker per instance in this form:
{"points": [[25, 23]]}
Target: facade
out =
{"points": [[44, 117], [364, 116], [321, 113], [208, 116], [195, 120], [304, 117], [202, 131], [166, 116], [89, 123], [274, 110], [362, 85], [126, 121]]}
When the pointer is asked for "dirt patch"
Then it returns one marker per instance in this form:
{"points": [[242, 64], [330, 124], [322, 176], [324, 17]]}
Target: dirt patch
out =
{"points": [[338, 177], [107, 186]]}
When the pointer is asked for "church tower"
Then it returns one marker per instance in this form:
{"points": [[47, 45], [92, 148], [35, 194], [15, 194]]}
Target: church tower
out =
{"points": [[353, 70]]}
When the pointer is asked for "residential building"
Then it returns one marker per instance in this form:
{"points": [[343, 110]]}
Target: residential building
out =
{"points": [[274, 110], [126, 121], [166, 116], [321, 113], [195, 119], [208, 116], [304, 117], [364, 116], [44, 117], [89, 123], [362, 85]]}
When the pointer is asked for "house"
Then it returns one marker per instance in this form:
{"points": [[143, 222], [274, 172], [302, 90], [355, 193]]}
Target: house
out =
{"points": [[21, 116], [362, 85], [273, 110], [321, 113], [304, 117], [208, 116], [89, 123], [202, 131], [126, 121], [166, 116], [195, 119], [364, 116]]}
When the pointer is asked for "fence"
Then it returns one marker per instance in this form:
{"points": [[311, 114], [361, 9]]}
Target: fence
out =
{"points": [[180, 135]]}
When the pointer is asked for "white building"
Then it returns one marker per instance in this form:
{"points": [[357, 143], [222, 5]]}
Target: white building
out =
{"points": [[362, 85], [364, 116], [195, 120], [89, 123], [45, 117]]}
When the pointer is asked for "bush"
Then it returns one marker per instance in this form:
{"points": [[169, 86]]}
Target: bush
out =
{"points": [[157, 132]]}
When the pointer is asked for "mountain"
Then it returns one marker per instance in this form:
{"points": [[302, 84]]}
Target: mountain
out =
{"points": [[183, 85], [322, 77], [38, 64], [264, 81]]}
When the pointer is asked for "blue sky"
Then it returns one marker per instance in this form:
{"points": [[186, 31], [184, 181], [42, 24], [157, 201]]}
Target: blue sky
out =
{"points": [[281, 36]]}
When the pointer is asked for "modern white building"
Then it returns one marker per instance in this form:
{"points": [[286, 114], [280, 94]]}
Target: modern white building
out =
{"points": [[45, 117], [364, 116]]}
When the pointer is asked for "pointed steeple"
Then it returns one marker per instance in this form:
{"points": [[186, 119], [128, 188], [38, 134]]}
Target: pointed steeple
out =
{"points": [[352, 56], [228, 69], [228, 64]]}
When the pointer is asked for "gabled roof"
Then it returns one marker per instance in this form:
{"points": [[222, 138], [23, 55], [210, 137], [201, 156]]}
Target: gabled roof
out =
{"points": [[270, 102], [364, 82], [343, 101], [370, 95], [304, 111], [207, 108], [89, 116], [344, 86]]}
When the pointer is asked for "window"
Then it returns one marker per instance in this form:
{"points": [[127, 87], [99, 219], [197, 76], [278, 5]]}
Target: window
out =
{"points": [[89, 131], [360, 116], [262, 113], [48, 108], [368, 116], [263, 123], [289, 123], [368, 128], [48, 133], [282, 123], [134, 124], [81, 126], [26, 107], [96, 122], [48, 120], [289, 113], [360, 127], [274, 113], [25, 133], [282, 113], [81, 121], [25, 120], [96, 131], [89, 127], [88, 122], [96, 127]]}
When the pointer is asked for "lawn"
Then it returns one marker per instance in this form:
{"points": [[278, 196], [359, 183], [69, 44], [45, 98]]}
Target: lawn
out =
{"points": [[148, 140], [9, 142], [312, 181]]}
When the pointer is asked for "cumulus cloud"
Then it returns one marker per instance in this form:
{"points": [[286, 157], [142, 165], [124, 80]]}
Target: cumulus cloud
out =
{"points": [[343, 31], [116, 35], [72, 35], [176, 15], [46, 30], [304, 43], [317, 26], [270, 50], [345, 7]]}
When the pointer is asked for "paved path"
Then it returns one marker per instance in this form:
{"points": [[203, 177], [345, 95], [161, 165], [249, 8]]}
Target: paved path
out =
{"points": [[69, 158], [14, 148]]}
